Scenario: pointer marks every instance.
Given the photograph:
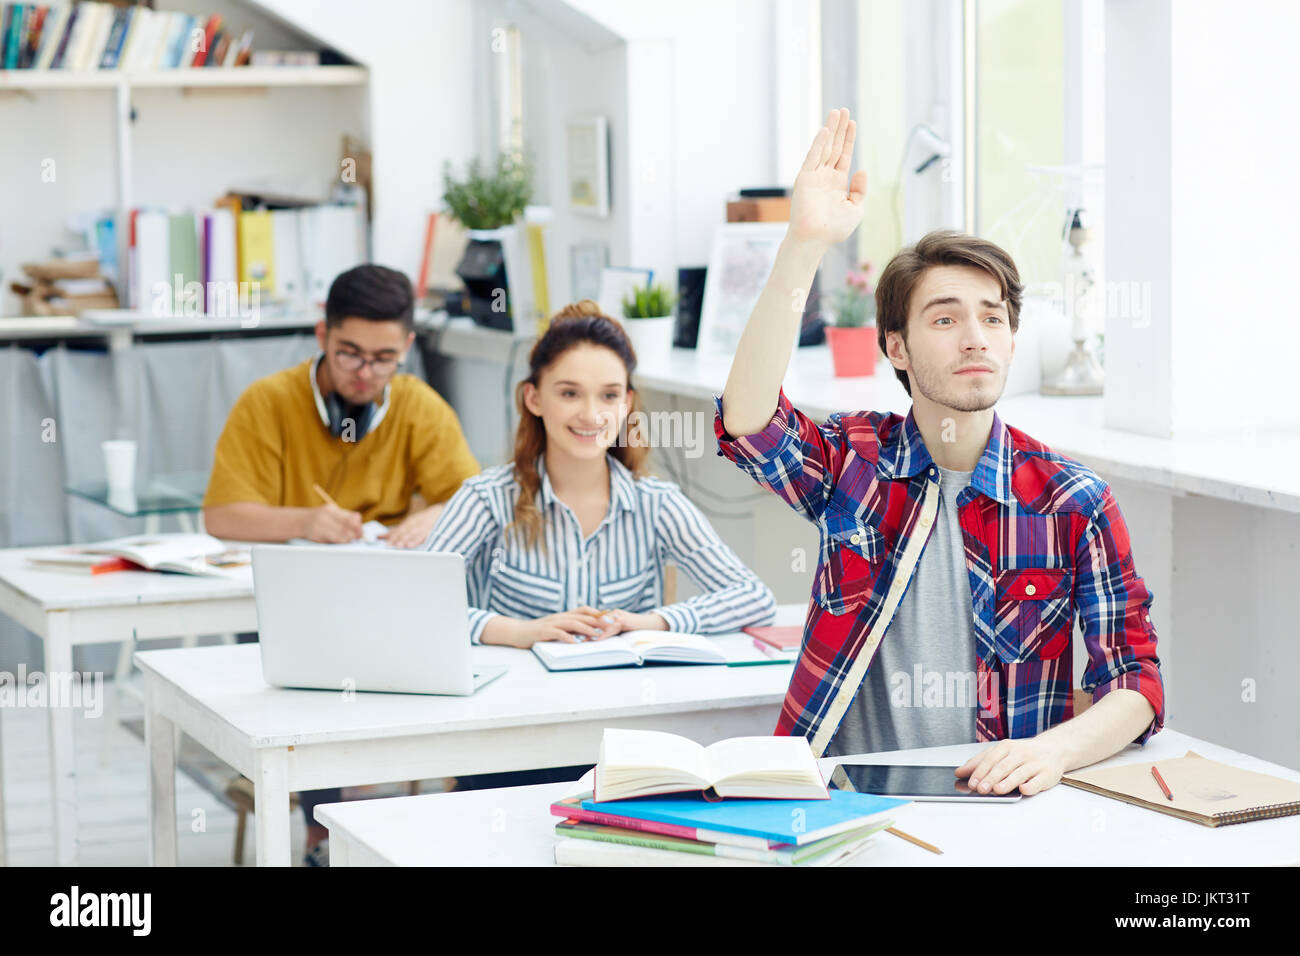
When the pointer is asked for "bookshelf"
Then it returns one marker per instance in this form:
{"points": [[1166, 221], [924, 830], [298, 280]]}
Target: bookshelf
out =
{"points": [[122, 85], [33, 81]]}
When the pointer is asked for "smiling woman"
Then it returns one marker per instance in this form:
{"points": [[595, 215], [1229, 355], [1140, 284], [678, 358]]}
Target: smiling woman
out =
{"points": [[569, 541]]}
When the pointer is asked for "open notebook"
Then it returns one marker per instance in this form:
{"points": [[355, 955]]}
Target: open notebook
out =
{"points": [[1207, 792], [198, 554], [635, 648]]}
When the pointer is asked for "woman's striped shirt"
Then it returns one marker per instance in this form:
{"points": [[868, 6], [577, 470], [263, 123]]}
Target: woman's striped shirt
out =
{"points": [[620, 565]]}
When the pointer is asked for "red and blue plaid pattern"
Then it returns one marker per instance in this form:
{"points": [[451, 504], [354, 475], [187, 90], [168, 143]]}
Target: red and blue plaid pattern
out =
{"points": [[1045, 541]]}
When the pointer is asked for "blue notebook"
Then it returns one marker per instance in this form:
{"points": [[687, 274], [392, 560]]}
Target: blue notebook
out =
{"points": [[782, 821]]}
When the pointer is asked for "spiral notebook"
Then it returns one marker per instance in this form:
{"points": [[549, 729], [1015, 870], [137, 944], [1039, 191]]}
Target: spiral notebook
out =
{"points": [[1207, 792]]}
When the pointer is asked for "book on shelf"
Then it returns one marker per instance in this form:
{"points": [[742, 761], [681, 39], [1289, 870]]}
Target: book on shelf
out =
{"points": [[183, 249], [256, 249], [197, 554], [92, 35], [275, 250], [637, 763], [117, 31], [220, 260]]}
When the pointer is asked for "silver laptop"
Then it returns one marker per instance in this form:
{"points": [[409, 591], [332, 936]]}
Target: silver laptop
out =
{"points": [[369, 619]]}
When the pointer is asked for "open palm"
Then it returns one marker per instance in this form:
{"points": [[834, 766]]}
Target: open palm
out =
{"points": [[826, 207]]}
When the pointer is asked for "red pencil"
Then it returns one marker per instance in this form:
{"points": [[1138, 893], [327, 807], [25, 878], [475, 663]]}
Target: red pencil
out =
{"points": [[1161, 780]]}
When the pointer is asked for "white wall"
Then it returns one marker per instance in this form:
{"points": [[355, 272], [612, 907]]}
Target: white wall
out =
{"points": [[421, 108], [1200, 206], [690, 112]]}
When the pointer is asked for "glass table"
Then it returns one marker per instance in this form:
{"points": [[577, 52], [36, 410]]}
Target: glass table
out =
{"points": [[178, 494]]}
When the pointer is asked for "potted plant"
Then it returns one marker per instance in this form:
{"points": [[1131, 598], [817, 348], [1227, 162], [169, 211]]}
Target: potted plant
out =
{"points": [[488, 203], [854, 349], [648, 319]]}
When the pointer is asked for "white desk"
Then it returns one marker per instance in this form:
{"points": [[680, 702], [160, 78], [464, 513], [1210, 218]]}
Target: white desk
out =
{"points": [[1063, 826], [65, 610], [290, 740]]}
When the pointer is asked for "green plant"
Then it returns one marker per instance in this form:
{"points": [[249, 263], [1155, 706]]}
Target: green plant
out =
{"points": [[855, 304], [489, 200], [652, 302]]}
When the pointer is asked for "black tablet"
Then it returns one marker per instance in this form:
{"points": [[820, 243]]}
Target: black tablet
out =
{"points": [[911, 783]]}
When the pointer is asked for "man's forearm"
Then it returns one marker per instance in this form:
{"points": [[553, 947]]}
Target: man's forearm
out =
{"points": [[1104, 729], [763, 353], [254, 521]]}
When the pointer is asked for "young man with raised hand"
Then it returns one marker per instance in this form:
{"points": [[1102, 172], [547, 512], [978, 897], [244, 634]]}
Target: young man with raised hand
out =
{"points": [[954, 548]]}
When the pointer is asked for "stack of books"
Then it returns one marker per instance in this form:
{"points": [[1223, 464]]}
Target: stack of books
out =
{"points": [[65, 286], [662, 800]]}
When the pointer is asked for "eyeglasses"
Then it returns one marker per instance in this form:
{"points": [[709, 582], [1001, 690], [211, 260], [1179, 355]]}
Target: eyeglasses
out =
{"points": [[353, 361]]}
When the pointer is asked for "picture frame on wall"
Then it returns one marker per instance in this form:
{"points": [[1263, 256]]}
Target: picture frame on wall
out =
{"points": [[586, 261], [741, 259], [587, 165]]}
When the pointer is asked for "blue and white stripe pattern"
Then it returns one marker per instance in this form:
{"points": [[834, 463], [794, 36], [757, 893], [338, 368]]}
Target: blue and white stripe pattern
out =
{"points": [[619, 566]]}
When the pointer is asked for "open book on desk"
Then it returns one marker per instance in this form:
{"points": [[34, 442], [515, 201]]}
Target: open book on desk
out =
{"points": [[638, 763], [199, 554], [637, 648]]}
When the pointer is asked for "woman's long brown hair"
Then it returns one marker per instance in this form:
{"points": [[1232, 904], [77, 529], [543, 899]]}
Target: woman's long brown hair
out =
{"points": [[581, 323]]}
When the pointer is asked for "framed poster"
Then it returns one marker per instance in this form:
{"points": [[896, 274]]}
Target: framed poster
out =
{"points": [[587, 165], [739, 264], [586, 260]]}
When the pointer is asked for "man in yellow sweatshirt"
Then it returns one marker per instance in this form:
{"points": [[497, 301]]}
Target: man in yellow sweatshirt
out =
{"points": [[371, 439]]}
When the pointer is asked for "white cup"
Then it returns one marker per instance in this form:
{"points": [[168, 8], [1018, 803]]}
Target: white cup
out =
{"points": [[119, 464]]}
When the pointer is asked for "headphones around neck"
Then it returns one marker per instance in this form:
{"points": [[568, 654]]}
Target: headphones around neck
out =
{"points": [[345, 417]]}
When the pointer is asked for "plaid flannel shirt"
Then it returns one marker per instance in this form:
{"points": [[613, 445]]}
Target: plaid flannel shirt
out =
{"points": [[1044, 542]]}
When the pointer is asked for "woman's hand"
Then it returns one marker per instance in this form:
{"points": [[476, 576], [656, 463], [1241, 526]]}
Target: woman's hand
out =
{"points": [[584, 622], [616, 622]]}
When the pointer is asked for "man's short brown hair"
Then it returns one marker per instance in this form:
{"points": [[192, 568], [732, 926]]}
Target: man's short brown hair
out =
{"points": [[941, 248]]}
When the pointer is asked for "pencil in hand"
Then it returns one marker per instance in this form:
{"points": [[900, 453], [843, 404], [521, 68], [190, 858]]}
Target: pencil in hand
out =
{"points": [[324, 495]]}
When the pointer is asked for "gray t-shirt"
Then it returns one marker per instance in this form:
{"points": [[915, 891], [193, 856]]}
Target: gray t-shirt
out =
{"points": [[921, 688]]}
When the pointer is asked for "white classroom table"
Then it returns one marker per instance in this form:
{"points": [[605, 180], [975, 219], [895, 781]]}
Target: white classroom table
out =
{"points": [[66, 610], [1063, 826], [290, 740]]}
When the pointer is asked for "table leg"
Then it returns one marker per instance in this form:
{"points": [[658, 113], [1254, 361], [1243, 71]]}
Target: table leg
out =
{"points": [[63, 747], [271, 806], [160, 744]]}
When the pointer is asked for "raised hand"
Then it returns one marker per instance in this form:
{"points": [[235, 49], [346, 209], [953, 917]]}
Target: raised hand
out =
{"points": [[826, 207]]}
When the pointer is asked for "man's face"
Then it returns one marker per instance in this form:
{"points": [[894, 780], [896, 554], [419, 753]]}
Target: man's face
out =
{"points": [[956, 320], [352, 340]]}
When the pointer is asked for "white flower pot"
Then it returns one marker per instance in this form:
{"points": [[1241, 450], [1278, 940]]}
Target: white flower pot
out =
{"points": [[652, 340]]}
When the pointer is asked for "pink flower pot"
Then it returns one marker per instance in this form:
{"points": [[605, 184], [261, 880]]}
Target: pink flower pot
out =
{"points": [[854, 352]]}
